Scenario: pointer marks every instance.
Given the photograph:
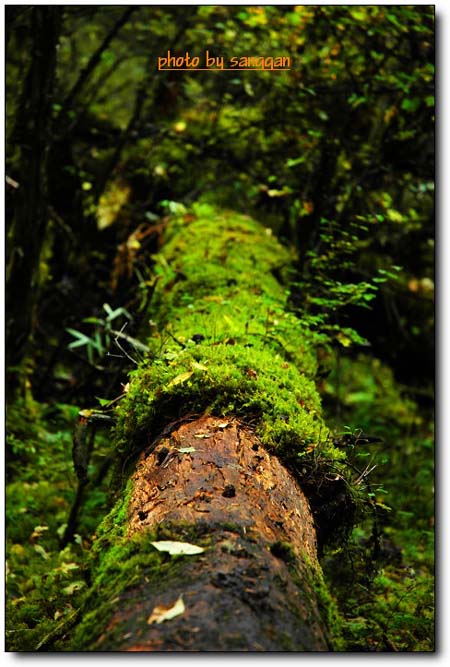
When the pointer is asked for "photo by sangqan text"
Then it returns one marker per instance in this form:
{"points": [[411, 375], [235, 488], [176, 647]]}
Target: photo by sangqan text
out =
{"points": [[186, 62]]}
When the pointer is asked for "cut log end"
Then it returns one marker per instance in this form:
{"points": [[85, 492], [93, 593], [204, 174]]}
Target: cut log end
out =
{"points": [[216, 471], [254, 588]]}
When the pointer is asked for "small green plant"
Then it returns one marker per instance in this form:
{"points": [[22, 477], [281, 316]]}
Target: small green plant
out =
{"points": [[327, 285]]}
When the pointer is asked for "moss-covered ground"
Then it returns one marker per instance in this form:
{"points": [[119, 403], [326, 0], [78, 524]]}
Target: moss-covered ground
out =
{"points": [[385, 587], [44, 583]]}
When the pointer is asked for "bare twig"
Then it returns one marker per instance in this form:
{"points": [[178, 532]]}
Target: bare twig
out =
{"points": [[133, 341], [129, 339]]}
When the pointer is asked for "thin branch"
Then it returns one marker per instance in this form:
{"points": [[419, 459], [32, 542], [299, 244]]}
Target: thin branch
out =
{"points": [[133, 341]]}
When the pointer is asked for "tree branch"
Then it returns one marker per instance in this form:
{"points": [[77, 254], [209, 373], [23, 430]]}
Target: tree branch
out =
{"points": [[93, 62]]}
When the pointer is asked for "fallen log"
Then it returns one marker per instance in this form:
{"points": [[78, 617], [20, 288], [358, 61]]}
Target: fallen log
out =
{"points": [[217, 440]]}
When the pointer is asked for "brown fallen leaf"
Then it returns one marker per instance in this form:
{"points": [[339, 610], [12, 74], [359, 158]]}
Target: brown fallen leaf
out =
{"points": [[163, 613]]}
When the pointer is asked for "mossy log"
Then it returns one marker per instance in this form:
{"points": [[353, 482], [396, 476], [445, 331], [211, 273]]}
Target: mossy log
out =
{"points": [[219, 431]]}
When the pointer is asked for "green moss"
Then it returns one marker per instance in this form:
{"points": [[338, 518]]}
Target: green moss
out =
{"points": [[327, 604], [223, 341], [283, 550], [42, 581], [386, 594]]}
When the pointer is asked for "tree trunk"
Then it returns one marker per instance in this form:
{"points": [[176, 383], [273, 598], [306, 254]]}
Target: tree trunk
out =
{"points": [[26, 233], [226, 426]]}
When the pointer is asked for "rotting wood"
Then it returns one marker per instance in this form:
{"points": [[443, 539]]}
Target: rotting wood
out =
{"points": [[228, 477], [244, 593]]}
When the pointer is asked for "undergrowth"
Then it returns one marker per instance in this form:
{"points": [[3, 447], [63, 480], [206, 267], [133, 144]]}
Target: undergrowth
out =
{"points": [[384, 579], [44, 583]]}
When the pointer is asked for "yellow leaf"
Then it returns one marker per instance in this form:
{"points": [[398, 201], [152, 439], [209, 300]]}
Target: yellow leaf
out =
{"points": [[199, 367], [228, 320], [73, 588], [344, 340], [389, 114], [179, 379], [162, 613], [160, 170], [133, 243], [394, 215], [45, 555], [66, 568], [186, 450], [278, 193], [111, 202]]}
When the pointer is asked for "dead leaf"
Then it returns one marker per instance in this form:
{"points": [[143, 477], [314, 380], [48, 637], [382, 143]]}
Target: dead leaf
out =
{"points": [[41, 551], [199, 367], [72, 588], [186, 450], [202, 435], [37, 532], [162, 613], [179, 379], [177, 548]]}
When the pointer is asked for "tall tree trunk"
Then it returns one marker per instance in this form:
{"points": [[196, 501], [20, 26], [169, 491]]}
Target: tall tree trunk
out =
{"points": [[224, 420], [27, 226]]}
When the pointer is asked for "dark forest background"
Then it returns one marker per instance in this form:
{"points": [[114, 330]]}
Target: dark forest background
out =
{"points": [[335, 156]]}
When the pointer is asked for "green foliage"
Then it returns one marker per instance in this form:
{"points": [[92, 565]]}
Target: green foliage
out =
{"points": [[99, 343], [390, 572], [394, 606], [321, 299], [37, 502], [43, 582], [32, 431]]}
